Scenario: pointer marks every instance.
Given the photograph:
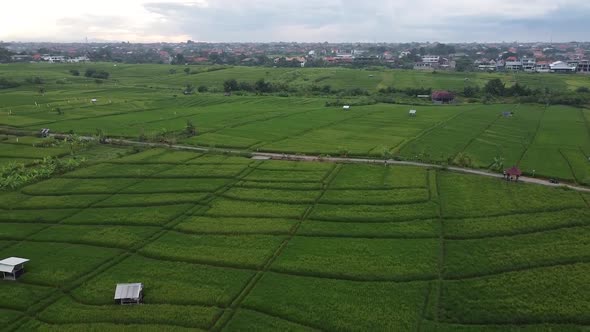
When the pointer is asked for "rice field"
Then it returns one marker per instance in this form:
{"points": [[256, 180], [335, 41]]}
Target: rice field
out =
{"points": [[226, 243], [551, 142]]}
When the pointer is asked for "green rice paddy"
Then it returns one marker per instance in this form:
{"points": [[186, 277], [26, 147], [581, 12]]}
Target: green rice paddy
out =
{"points": [[227, 243]]}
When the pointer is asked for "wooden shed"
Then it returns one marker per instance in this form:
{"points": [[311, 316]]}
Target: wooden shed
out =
{"points": [[13, 267], [129, 293]]}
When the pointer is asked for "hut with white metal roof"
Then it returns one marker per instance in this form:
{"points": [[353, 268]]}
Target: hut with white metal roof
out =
{"points": [[412, 113], [12, 267], [129, 293]]}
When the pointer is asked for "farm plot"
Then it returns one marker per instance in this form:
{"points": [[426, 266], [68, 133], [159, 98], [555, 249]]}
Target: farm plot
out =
{"points": [[249, 251], [374, 177], [553, 294], [194, 284], [465, 258], [360, 259], [471, 196], [55, 264], [292, 246], [338, 304]]}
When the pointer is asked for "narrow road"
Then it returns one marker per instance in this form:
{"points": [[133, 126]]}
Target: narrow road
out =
{"points": [[297, 157]]}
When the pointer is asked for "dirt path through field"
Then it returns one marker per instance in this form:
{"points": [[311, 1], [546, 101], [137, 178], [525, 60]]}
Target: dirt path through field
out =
{"points": [[297, 157]]}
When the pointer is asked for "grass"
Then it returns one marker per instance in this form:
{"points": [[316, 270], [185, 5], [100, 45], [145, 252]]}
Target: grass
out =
{"points": [[66, 311], [339, 305], [464, 258], [362, 259], [224, 225], [543, 295], [193, 284], [222, 241], [473, 196], [148, 216], [54, 264], [249, 251]]}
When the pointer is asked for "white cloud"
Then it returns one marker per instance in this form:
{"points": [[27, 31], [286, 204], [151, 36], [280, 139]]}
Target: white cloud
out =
{"points": [[302, 20]]}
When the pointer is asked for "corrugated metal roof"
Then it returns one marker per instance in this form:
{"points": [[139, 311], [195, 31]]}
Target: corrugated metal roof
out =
{"points": [[8, 264], [128, 291]]}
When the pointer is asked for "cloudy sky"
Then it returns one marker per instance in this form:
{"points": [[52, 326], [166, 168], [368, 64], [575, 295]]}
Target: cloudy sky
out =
{"points": [[295, 20]]}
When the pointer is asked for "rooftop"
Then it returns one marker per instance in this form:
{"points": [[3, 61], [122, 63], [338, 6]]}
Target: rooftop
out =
{"points": [[8, 264], [128, 291]]}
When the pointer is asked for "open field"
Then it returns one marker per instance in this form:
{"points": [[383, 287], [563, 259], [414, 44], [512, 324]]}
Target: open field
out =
{"points": [[233, 244], [547, 142]]}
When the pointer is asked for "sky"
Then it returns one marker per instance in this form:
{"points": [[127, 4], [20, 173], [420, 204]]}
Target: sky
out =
{"points": [[295, 20]]}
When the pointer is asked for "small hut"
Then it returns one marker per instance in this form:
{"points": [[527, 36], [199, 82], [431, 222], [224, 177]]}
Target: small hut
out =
{"points": [[412, 113], [93, 100], [442, 97], [346, 107], [129, 293], [13, 267], [512, 174]]}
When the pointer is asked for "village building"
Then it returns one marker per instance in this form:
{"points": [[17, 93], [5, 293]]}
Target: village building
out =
{"points": [[129, 293], [13, 267], [529, 64], [513, 64], [442, 97], [561, 67], [584, 66], [542, 67]]}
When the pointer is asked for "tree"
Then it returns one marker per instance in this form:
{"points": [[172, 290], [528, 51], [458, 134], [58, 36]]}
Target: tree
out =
{"points": [[172, 71], [470, 91], [495, 87], [180, 60], [189, 89], [583, 89], [190, 128], [261, 86], [230, 85], [187, 70], [75, 72], [202, 88]]}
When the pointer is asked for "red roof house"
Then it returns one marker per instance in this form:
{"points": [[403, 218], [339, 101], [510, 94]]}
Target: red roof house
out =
{"points": [[442, 96]]}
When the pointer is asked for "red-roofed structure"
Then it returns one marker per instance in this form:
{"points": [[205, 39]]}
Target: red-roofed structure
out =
{"points": [[442, 97], [512, 174]]}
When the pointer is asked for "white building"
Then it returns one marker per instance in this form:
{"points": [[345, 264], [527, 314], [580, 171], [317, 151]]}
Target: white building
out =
{"points": [[529, 64], [78, 59], [431, 59], [129, 293], [513, 65], [53, 58], [561, 67], [12, 267]]}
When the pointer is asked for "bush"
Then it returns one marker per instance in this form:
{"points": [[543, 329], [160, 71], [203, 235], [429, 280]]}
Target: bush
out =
{"points": [[75, 72], [202, 88], [93, 73], [7, 84], [583, 89]]}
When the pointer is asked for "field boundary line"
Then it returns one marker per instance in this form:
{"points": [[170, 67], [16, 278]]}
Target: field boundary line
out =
{"points": [[220, 323], [311, 158], [442, 250], [430, 129], [580, 224], [541, 265], [534, 138]]}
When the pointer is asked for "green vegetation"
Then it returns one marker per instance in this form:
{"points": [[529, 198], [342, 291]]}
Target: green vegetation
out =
{"points": [[223, 242]]}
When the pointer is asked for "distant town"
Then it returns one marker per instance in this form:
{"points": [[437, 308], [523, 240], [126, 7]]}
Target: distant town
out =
{"points": [[570, 57]]}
